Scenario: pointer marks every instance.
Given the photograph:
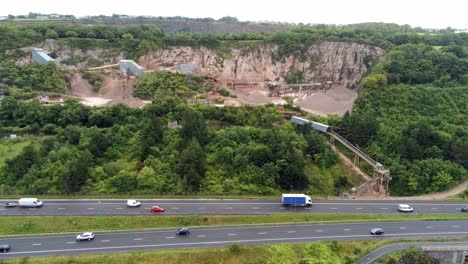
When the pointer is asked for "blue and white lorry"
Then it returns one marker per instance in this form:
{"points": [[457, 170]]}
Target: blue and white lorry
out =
{"points": [[296, 200]]}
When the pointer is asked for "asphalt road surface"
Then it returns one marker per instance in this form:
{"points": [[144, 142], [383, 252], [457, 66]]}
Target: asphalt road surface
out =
{"points": [[224, 207], [65, 244]]}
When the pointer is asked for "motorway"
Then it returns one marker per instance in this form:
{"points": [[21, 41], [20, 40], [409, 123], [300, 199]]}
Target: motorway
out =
{"points": [[65, 244], [225, 207]]}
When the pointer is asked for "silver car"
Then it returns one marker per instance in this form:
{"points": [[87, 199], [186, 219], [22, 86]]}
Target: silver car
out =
{"points": [[85, 236]]}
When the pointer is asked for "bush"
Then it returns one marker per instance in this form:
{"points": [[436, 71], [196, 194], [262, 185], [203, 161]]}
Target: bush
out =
{"points": [[235, 248], [224, 92]]}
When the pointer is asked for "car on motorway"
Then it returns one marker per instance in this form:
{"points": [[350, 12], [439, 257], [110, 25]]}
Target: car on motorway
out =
{"points": [[465, 209], [133, 203], [184, 231], [405, 208], [10, 205], [376, 231], [4, 248], [157, 209], [85, 236]]}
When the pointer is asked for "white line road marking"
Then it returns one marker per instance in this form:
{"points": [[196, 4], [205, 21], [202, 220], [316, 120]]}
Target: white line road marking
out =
{"points": [[291, 232], [37, 244], [169, 237], [434, 208], [428, 226], [232, 234], [333, 208], [228, 208], [104, 241], [347, 229], [138, 239], [455, 226], [255, 208], [318, 230], [402, 227], [147, 208], [228, 242], [201, 236], [359, 208], [1, 209], [61, 208], [71, 242], [262, 233], [384, 208], [120, 208], [90, 208]]}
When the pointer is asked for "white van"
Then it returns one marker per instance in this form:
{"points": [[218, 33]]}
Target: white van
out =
{"points": [[29, 202]]}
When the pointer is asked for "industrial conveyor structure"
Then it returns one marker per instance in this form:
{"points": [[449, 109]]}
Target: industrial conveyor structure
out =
{"points": [[380, 172]]}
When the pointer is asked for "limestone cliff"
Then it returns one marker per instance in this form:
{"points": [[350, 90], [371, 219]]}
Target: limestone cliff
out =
{"points": [[343, 63]]}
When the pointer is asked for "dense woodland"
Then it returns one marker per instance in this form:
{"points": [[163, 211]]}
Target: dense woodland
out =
{"points": [[411, 115]]}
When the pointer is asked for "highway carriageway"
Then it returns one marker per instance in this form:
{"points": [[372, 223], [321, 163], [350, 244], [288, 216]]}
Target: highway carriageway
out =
{"points": [[106, 242], [225, 207]]}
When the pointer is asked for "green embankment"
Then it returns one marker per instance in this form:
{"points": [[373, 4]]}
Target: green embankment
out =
{"points": [[16, 225]]}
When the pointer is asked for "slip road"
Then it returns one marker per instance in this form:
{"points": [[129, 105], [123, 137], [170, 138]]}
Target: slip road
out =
{"points": [[225, 207], [65, 244]]}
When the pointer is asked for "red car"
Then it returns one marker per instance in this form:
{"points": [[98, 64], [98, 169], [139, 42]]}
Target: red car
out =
{"points": [[156, 209]]}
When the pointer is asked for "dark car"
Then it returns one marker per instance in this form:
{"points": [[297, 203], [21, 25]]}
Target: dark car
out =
{"points": [[376, 231], [10, 204], [465, 209], [184, 231], [4, 248]]}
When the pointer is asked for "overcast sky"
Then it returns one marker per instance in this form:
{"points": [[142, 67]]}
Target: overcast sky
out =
{"points": [[423, 13]]}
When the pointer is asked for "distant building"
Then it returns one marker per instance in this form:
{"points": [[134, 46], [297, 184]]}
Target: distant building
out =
{"points": [[187, 68], [129, 67], [41, 57]]}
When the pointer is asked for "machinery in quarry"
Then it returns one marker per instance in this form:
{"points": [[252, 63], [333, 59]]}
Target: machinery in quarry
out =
{"points": [[381, 175]]}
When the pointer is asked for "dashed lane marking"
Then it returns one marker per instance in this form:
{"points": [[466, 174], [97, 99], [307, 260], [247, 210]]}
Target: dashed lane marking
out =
{"points": [[71, 242], [232, 234], [347, 229], [402, 227], [333, 208], [455, 226], [262, 233], [201, 236], [119, 208], [291, 232], [104, 241], [91, 208], [61, 208], [318, 230], [138, 239], [169, 237], [428, 226], [37, 244]]}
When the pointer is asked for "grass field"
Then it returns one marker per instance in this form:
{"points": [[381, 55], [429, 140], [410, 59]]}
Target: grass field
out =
{"points": [[23, 225], [9, 148]]}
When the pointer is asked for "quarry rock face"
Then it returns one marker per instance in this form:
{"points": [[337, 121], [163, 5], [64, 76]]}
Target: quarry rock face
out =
{"points": [[342, 63]]}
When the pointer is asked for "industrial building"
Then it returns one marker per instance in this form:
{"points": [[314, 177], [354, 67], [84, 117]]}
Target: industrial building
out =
{"points": [[41, 57], [130, 67]]}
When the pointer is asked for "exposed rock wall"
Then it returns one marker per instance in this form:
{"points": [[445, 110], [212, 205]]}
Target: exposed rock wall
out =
{"points": [[343, 63]]}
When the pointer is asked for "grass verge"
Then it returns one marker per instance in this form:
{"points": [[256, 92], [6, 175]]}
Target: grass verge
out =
{"points": [[23, 225], [337, 252]]}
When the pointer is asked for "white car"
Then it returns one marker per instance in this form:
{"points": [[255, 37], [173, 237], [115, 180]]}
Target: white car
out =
{"points": [[405, 208], [85, 236], [133, 203]]}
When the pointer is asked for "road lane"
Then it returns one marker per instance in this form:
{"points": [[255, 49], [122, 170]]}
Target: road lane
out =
{"points": [[65, 244], [225, 207]]}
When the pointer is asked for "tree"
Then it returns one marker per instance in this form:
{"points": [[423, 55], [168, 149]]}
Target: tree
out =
{"points": [[191, 165], [193, 125], [51, 34], [71, 34]]}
